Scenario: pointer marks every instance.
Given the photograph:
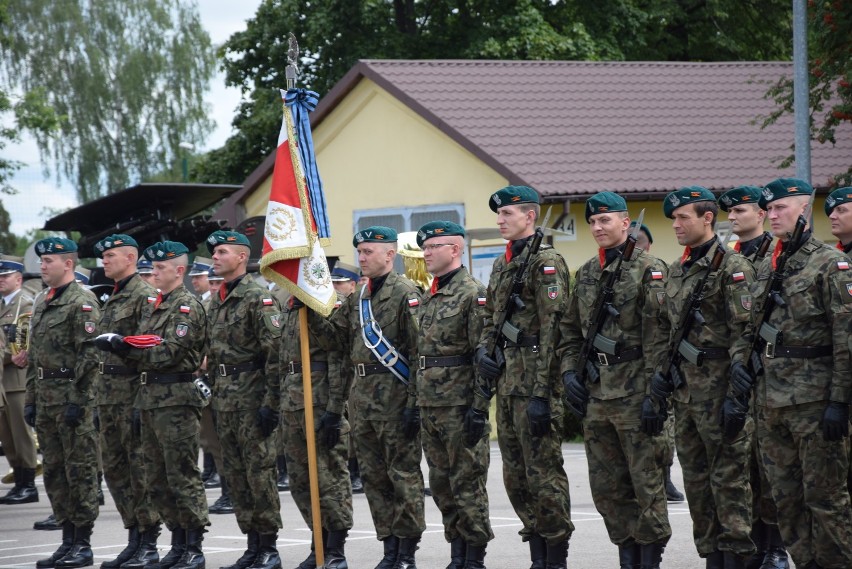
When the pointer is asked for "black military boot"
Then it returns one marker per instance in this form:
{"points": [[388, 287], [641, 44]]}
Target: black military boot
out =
{"points": [[733, 560], [223, 505], [283, 478], [48, 524], [776, 554], [193, 557], [475, 557], [391, 544], [176, 552], [64, 547], [405, 556], [672, 493], [27, 492], [557, 555], [310, 561], [247, 558], [209, 466], [267, 553], [335, 558], [128, 551], [458, 553], [13, 492], [629, 555], [146, 554], [80, 554], [538, 552], [651, 555]]}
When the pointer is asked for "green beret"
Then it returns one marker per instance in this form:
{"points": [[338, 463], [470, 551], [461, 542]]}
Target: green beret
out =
{"points": [[784, 188], [837, 197], [512, 195], [226, 238], [739, 195], [438, 229], [375, 234], [687, 195], [604, 202], [643, 229], [55, 246], [113, 241], [165, 250]]}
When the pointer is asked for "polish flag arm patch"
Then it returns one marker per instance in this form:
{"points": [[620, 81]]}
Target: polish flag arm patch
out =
{"points": [[412, 302], [184, 309], [481, 300], [657, 275], [86, 308], [547, 270], [267, 302], [843, 265], [738, 277]]}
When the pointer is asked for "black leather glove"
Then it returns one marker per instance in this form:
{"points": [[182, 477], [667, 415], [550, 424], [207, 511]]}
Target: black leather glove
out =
{"points": [[267, 421], [733, 417], [73, 415], [538, 413], [136, 423], [662, 387], [410, 422], [651, 421], [295, 303], [329, 428], [102, 343], [112, 343], [474, 426], [835, 421], [30, 415], [576, 394], [741, 379], [489, 370]]}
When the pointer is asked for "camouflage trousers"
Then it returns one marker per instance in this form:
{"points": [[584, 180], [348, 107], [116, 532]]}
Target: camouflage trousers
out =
{"points": [[457, 474], [124, 467], [172, 477], [808, 476], [249, 468], [335, 488], [70, 465], [715, 478], [393, 481], [668, 436], [763, 505], [626, 472], [533, 474]]}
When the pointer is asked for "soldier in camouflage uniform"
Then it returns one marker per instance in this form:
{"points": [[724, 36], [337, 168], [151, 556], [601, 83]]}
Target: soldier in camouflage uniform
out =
{"points": [[529, 391], [245, 332], [170, 404], [747, 218], [455, 421], [713, 453], [622, 422], [62, 367], [804, 392], [116, 389], [385, 416], [16, 436], [330, 381]]}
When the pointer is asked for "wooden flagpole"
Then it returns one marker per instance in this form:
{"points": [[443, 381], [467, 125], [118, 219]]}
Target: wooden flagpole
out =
{"points": [[310, 434]]}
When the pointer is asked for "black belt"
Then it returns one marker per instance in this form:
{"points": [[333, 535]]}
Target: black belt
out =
{"points": [[370, 369], [147, 377], [715, 353], [773, 351], [296, 367], [627, 355], [445, 361], [53, 373], [225, 369], [525, 342], [116, 369]]}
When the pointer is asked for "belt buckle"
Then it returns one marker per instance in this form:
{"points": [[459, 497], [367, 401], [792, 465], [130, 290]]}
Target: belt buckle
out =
{"points": [[40, 373], [292, 368], [101, 367], [389, 362], [602, 359], [222, 371], [422, 362], [359, 369], [770, 351], [143, 378]]}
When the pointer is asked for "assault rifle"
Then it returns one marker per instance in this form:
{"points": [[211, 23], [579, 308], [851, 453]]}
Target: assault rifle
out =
{"points": [[763, 248]]}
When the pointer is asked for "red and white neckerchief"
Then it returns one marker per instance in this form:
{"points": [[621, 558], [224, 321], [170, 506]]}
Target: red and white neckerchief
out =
{"points": [[686, 253], [776, 253], [509, 251], [601, 257], [434, 288]]}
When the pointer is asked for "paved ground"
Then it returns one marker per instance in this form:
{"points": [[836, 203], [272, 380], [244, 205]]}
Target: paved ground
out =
{"points": [[590, 548]]}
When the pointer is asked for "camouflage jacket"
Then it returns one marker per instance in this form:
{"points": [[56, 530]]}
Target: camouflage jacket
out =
{"points": [[245, 327], [451, 322], [530, 371], [726, 309], [329, 386], [639, 297], [121, 314], [61, 334], [179, 320], [381, 396], [817, 288], [14, 377]]}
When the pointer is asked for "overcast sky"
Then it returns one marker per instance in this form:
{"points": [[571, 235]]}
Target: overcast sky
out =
{"points": [[221, 18]]}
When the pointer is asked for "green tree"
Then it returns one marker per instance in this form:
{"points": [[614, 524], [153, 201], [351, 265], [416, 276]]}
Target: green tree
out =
{"points": [[129, 76]]}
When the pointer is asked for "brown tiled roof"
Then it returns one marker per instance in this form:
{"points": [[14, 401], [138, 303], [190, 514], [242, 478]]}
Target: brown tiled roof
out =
{"points": [[574, 128]]}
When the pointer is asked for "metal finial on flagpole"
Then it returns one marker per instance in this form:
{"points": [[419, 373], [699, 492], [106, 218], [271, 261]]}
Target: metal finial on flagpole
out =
{"points": [[292, 69]]}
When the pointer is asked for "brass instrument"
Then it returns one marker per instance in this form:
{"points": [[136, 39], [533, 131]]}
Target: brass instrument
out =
{"points": [[412, 259], [19, 333]]}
